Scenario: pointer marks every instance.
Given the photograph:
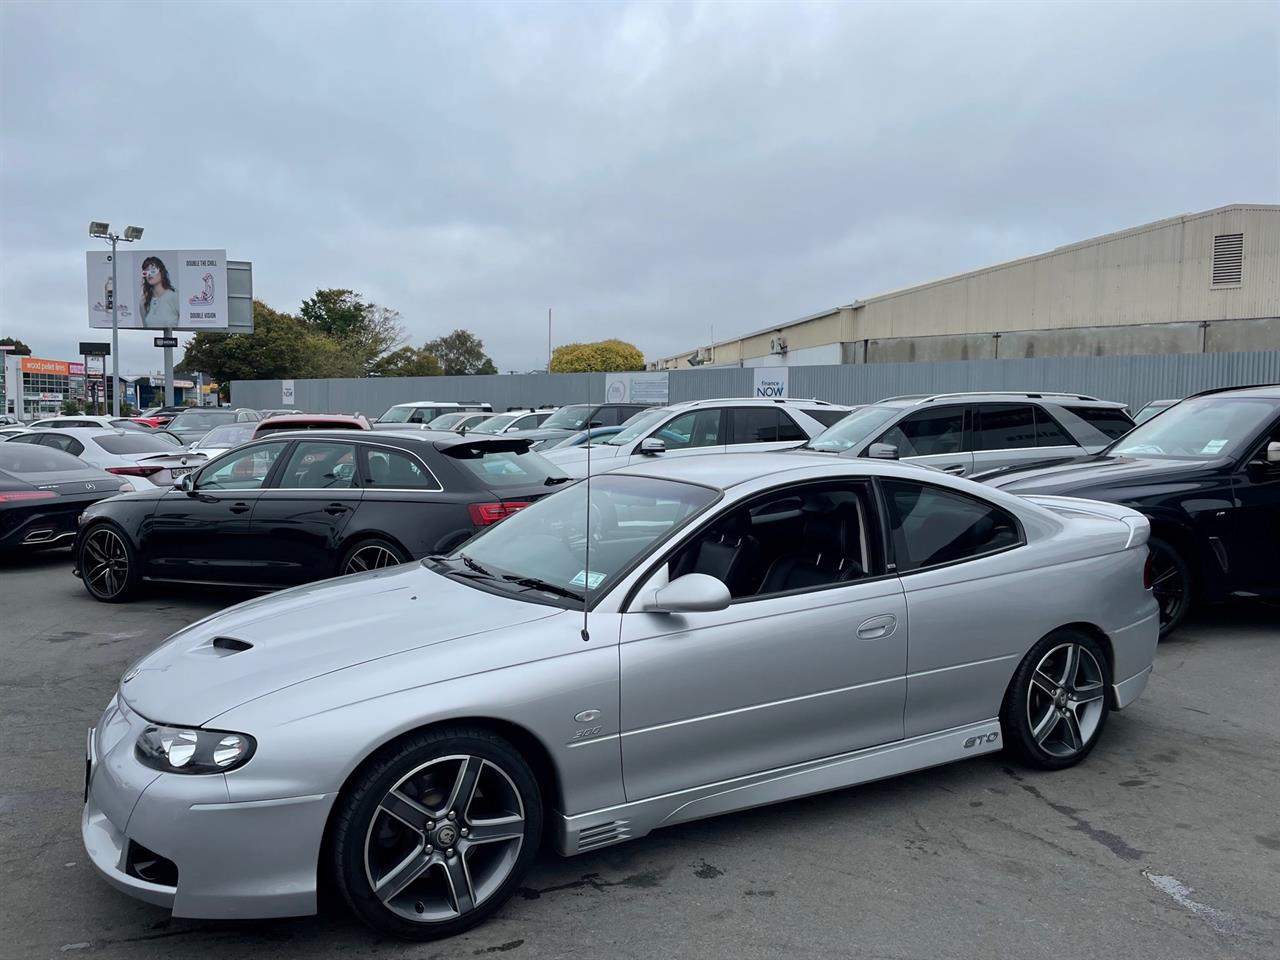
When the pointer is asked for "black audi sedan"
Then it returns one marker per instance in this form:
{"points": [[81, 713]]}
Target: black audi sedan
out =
{"points": [[42, 492], [1206, 473], [292, 508]]}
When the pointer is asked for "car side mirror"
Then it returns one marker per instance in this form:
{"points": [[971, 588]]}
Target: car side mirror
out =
{"points": [[692, 593], [186, 483], [595, 423], [1269, 461], [883, 451], [652, 446]]}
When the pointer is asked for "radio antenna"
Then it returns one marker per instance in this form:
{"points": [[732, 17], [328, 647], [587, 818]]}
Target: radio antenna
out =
{"points": [[586, 576]]}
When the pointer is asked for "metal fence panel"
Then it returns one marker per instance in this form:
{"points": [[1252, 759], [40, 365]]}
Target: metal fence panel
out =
{"points": [[1134, 380]]}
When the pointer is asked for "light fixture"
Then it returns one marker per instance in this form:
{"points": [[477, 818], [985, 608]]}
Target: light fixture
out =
{"points": [[99, 229], [133, 233]]}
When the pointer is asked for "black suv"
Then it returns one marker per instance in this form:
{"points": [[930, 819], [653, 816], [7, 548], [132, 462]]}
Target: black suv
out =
{"points": [[1206, 473]]}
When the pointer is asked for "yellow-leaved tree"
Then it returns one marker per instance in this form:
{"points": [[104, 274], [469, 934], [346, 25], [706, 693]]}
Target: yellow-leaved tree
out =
{"points": [[603, 356]]}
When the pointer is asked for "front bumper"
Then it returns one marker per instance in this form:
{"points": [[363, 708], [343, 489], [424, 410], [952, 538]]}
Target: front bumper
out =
{"points": [[245, 859]]}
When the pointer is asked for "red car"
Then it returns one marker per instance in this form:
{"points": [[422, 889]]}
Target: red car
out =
{"points": [[311, 421]]}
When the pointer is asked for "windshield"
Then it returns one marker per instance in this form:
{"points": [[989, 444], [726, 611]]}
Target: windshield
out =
{"points": [[400, 414], [134, 443], [201, 419], [496, 424], [638, 426], [445, 421], [547, 541], [22, 458], [854, 430], [500, 465], [1206, 429], [572, 417], [232, 435]]}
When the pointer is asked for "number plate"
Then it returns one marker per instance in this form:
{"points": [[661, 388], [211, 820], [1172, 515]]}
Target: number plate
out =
{"points": [[180, 471]]}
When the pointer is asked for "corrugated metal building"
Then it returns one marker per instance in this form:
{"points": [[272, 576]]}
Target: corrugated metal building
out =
{"points": [[1200, 283]]}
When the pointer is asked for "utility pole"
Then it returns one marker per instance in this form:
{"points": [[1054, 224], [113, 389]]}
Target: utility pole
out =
{"points": [[548, 339]]}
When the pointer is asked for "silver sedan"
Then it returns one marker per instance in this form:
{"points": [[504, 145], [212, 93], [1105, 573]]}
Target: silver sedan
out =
{"points": [[683, 639]]}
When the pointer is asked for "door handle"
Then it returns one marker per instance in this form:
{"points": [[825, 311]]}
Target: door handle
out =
{"points": [[956, 470], [877, 627], [336, 509], [241, 508]]}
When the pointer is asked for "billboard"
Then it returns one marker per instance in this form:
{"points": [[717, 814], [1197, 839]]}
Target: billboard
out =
{"points": [[770, 382], [177, 289], [636, 388], [59, 368]]}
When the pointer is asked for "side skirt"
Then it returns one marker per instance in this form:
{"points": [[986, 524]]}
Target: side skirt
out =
{"points": [[600, 828]]}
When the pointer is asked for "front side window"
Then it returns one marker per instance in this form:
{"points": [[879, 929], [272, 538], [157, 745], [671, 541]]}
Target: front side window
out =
{"points": [[242, 470], [852, 432], [1005, 426], [320, 465], [541, 551], [1202, 428], [697, 428], [572, 417], [928, 433], [929, 526], [638, 427], [391, 469]]}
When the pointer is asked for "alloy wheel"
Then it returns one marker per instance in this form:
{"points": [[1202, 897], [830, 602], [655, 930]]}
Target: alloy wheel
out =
{"points": [[105, 563], [1065, 699], [1168, 585], [372, 556], [444, 839]]}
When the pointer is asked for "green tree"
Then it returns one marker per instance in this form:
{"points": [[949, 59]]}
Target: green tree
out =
{"points": [[460, 354], [20, 349], [407, 362], [70, 407], [368, 330], [603, 356]]}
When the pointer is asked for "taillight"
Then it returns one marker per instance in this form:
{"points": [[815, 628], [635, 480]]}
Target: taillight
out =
{"points": [[13, 495], [135, 471], [1147, 578], [486, 514]]}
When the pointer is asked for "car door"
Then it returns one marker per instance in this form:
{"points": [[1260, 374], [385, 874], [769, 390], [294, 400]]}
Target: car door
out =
{"points": [[1003, 435], [774, 679], [761, 428], [204, 533], [964, 643], [692, 432], [933, 437], [1254, 552], [299, 518]]}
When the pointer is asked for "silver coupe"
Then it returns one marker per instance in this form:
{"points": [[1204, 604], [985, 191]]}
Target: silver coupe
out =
{"points": [[681, 639]]}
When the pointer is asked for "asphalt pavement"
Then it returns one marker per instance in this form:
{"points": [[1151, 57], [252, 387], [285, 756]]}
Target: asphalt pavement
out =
{"points": [[1165, 843]]}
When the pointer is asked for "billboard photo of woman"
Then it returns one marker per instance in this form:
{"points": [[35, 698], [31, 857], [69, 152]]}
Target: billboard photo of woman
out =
{"points": [[159, 298]]}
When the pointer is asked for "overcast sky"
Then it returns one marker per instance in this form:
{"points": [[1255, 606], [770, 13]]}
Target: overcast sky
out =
{"points": [[648, 170]]}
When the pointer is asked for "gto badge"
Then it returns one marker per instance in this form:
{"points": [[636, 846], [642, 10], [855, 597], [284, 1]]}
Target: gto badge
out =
{"points": [[586, 716], [981, 739]]}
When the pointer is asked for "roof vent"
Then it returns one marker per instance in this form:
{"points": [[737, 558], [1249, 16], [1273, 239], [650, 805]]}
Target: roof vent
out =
{"points": [[231, 644], [1228, 259]]}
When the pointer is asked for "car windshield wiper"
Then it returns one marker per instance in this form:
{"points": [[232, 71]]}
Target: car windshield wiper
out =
{"points": [[479, 570], [552, 481], [475, 566], [533, 583]]}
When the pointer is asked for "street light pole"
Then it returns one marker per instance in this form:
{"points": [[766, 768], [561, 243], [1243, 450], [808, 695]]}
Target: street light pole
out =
{"points": [[115, 334]]}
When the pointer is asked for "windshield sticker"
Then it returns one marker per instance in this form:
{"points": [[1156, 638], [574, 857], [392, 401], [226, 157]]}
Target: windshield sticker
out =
{"points": [[1213, 446], [590, 583]]}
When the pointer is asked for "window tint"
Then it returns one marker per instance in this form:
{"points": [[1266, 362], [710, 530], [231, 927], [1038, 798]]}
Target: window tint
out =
{"points": [[697, 428], [928, 433], [929, 526], [754, 425], [320, 465], [62, 442], [241, 470], [1108, 421], [825, 415], [788, 429], [135, 443], [393, 469], [1048, 433], [1005, 426]]}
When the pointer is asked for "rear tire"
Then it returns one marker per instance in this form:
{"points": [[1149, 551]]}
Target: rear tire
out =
{"points": [[436, 833], [1056, 705], [372, 554], [108, 564], [1171, 584]]}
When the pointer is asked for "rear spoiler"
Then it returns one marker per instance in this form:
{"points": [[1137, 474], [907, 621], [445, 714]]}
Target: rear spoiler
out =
{"points": [[1139, 526]]}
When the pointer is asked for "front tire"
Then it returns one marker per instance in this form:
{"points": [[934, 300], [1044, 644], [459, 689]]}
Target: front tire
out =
{"points": [[436, 833], [108, 564], [1056, 704]]}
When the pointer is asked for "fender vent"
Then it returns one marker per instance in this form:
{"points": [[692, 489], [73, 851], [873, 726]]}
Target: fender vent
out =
{"points": [[614, 831], [231, 644]]}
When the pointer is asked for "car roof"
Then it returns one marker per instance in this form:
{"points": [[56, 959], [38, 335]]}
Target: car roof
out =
{"points": [[726, 470], [1269, 391], [756, 402], [1006, 396], [440, 439], [312, 418]]}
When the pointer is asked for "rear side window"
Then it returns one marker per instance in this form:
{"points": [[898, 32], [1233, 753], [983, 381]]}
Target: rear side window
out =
{"points": [[825, 415], [1048, 433], [134, 443], [1108, 421], [1005, 426], [753, 425], [928, 433], [62, 442], [929, 526], [498, 465], [388, 469]]}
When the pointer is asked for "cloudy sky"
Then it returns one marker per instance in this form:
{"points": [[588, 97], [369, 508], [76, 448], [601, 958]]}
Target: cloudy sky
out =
{"points": [[648, 170]]}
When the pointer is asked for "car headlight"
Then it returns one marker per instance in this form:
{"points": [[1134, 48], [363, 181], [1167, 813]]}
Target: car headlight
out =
{"points": [[181, 750]]}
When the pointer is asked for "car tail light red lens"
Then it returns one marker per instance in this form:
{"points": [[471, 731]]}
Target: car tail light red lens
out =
{"points": [[14, 495], [1147, 578], [135, 471], [486, 514]]}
